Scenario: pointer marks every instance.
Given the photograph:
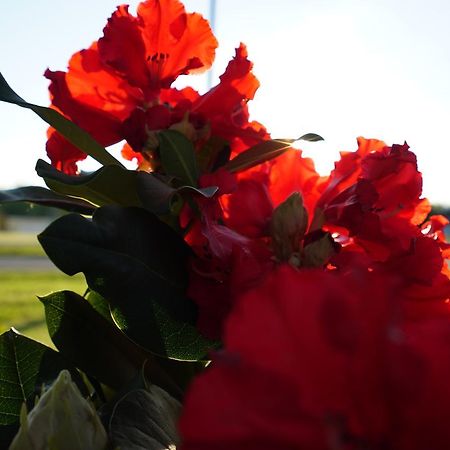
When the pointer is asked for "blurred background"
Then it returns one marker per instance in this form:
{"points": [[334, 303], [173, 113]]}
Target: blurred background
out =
{"points": [[339, 68]]}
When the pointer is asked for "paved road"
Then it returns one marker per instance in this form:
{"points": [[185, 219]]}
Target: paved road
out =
{"points": [[25, 263]]}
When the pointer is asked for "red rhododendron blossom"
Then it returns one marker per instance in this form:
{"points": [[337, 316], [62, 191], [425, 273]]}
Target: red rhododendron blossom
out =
{"points": [[220, 112], [321, 360], [126, 69], [161, 43], [361, 207], [120, 87]]}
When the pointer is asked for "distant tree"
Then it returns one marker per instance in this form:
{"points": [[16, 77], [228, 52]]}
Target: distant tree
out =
{"points": [[442, 210]]}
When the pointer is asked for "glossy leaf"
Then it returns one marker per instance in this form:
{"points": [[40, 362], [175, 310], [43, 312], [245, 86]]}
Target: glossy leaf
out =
{"points": [[214, 154], [318, 252], [99, 304], [96, 345], [145, 419], [310, 137], [156, 195], [42, 196], [108, 185], [178, 157], [26, 365], [257, 154], [160, 198], [138, 264], [89, 341], [75, 135]]}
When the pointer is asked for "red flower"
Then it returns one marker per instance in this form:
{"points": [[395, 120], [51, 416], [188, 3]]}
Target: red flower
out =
{"points": [[320, 360], [161, 43], [126, 68], [119, 88], [225, 105], [249, 208]]}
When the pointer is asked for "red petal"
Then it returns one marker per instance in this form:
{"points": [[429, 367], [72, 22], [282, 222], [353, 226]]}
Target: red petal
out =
{"points": [[237, 85], [122, 47], [293, 173], [94, 99], [163, 42], [186, 40], [90, 82], [63, 155], [348, 168]]}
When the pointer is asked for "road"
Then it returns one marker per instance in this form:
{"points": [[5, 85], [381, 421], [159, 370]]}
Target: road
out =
{"points": [[25, 263]]}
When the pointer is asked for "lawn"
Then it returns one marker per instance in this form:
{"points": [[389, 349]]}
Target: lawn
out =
{"points": [[19, 306], [19, 244]]}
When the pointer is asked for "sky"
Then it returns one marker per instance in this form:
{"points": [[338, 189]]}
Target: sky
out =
{"points": [[339, 68]]}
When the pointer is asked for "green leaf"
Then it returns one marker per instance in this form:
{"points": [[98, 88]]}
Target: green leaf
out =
{"points": [[75, 135], [96, 345], [258, 154], [318, 252], [311, 137], [206, 192], [160, 198], [145, 419], [113, 185], [178, 157], [287, 226], [42, 196], [26, 365], [99, 304], [108, 185], [156, 195], [89, 341], [139, 265], [214, 154]]}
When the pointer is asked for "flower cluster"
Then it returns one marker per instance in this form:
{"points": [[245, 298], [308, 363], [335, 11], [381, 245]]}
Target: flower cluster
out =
{"points": [[330, 293], [120, 88], [322, 302]]}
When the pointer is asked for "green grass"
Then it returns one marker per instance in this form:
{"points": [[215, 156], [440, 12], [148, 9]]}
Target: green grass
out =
{"points": [[19, 244], [19, 306]]}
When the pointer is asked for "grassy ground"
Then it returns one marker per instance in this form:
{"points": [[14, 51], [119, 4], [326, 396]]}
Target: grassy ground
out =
{"points": [[19, 244], [19, 306]]}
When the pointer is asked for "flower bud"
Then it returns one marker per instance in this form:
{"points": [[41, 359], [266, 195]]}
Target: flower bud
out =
{"points": [[185, 127], [61, 419], [288, 226]]}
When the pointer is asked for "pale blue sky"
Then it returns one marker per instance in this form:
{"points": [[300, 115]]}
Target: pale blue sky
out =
{"points": [[340, 68]]}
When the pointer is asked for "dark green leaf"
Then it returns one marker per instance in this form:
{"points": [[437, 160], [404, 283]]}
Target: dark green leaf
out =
{"points": [[89, 341], [156, 195], [206, 192], [138, 264], [318, 252], [65, 127], [160, 198], [311, 137], [257, 154], [26, 365], [214, 154], [106, 186], [99, 304], [178, 157], [145, 419], [96, 345], [42, 196]]}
